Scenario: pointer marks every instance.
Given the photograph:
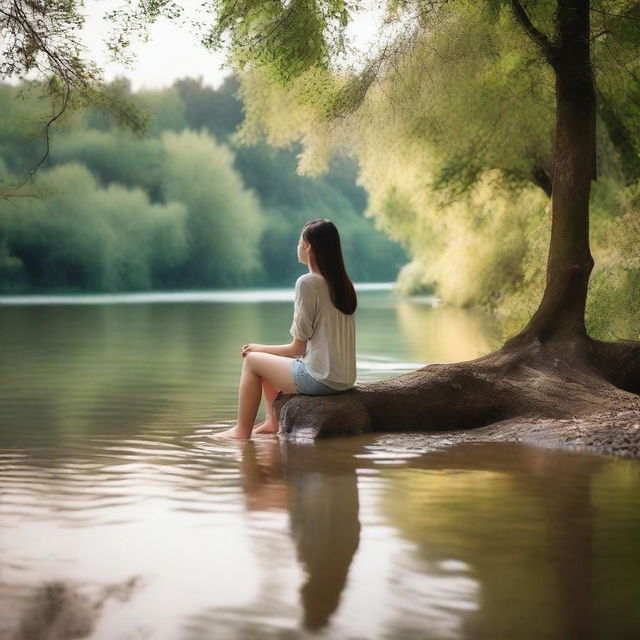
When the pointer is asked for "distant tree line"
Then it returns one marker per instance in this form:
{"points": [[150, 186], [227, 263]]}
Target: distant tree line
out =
{"points": [[187, 206]]}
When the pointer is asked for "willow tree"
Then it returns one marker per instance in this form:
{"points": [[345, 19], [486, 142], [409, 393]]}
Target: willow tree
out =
{"points": [[551, 368], [455, 142]]}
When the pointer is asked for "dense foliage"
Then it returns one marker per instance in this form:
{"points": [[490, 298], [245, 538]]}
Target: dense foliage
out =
{"points": [[452, 122], [186, 206]]}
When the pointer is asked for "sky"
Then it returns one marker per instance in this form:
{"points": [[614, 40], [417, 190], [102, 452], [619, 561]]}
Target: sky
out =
{"points": [[173, 51]]}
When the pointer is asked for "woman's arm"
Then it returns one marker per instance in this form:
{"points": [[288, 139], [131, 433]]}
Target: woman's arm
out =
{"points": [[293, 350], [303, 319]]}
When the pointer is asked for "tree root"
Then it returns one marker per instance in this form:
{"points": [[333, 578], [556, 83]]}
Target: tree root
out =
{"points": [[618, 363], [532, 384]]}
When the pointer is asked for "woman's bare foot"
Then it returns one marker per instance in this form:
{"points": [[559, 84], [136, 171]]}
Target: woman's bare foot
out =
{"points": [[230, 433], [270, 425], [260, 424]]}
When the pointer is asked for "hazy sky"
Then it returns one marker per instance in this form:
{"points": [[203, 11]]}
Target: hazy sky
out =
{"points": [[173, 51]]}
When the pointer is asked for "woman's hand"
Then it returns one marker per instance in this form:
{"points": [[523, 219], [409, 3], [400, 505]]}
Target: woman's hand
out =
{"points": [[249, 347]]}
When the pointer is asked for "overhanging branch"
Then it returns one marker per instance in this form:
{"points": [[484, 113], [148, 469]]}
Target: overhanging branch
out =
{"points": [[545, 45]]}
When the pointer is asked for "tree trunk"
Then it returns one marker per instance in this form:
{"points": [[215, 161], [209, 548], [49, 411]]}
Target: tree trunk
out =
{"points": [[561, 311]]}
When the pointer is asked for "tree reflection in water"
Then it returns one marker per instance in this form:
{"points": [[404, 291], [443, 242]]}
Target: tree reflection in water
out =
{"points": [[517, 521], [523, 519]]}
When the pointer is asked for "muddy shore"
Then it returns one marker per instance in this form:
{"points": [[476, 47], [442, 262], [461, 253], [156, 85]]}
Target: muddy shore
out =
{"points": [[612, 433], [616, 434]]}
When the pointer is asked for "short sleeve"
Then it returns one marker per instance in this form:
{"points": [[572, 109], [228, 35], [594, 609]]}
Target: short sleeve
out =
{"points": [[304, 310]]}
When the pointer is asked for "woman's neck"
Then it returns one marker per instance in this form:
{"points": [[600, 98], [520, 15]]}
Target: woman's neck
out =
{"points": [[313, 267]]}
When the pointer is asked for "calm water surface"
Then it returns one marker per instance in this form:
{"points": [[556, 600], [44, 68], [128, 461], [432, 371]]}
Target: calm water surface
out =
{"points": [[119, 519]]}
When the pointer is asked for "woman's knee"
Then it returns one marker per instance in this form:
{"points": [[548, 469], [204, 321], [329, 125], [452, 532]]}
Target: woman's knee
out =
{"points": [[274, 370], [250, 361], [257, 363]]}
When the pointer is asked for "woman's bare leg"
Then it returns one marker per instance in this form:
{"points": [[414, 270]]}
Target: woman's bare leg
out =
{"points": [[270, 424], [257, 366]]}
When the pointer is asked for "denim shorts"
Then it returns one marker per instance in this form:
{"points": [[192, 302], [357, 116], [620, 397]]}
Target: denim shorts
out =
{"points": [[306, 383]]}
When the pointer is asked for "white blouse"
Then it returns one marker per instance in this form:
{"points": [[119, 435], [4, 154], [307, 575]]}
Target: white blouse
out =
{"points": [[330, 356]]}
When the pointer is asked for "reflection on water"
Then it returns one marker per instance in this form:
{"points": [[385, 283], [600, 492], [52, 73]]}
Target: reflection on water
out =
{"points": [[372, 536], [461, 334], [119, 519], [243, 296]]}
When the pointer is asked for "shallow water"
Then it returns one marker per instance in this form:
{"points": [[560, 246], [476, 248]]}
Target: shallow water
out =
{"points": [[120, 519]]}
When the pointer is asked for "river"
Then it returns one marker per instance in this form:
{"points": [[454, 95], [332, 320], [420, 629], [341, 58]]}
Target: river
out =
{"points": [[119, 519]]}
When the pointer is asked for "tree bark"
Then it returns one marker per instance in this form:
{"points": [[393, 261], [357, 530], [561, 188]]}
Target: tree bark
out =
{"points": [[541, 179], [569, 265]]}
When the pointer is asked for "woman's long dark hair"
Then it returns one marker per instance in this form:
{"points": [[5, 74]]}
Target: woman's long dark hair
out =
{"points": [[324, 239]]}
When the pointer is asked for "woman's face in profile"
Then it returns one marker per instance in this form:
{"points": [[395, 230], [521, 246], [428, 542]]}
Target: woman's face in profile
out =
{"points": [[302, 251]]}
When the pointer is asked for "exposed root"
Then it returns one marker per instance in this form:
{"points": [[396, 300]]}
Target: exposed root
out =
{"points": [[618, 362], [526, 384]]}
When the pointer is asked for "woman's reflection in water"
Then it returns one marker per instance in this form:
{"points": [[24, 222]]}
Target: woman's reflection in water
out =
{"points": [[323, 516], [535, 576]]}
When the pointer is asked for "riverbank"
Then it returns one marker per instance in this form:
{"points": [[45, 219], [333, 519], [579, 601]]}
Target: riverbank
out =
{"points": [[609, 433]]}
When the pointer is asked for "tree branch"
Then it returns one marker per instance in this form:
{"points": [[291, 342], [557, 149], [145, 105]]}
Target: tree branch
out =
{"points": [[542, 179], [547, 47]]}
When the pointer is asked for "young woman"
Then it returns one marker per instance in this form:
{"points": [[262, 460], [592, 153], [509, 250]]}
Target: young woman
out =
{"points": [[321, 359]]}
